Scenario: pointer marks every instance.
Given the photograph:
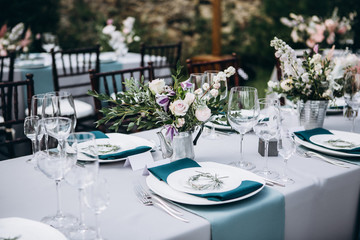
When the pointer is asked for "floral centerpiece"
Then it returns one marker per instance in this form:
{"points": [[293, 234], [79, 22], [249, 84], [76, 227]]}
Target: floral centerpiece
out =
{"points": [[179, 108], [313, 30], [119, 39], [12, 41]]}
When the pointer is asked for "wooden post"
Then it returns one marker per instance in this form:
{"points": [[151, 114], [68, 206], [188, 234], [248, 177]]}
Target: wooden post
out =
{"points": [[216, 27]]}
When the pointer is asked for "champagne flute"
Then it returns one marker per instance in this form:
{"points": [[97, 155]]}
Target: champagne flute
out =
{"points": [[31, 127], [36, 110], [82, 174], [267, 128], [243, 110], [97, 198], [286, 147]]}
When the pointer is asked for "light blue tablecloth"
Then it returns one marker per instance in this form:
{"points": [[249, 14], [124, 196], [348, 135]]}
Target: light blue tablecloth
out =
{"points": [[259, 217]]}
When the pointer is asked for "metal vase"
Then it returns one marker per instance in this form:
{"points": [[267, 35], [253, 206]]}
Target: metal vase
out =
{"points": [[182, 146], [312, 113]]}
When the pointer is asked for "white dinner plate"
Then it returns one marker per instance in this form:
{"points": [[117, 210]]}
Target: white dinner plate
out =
{"points": [[163, 189], [325, 150], [179, 180], [340, 141], [107, 57], [124, 141], [27, 229], [32, 64]]}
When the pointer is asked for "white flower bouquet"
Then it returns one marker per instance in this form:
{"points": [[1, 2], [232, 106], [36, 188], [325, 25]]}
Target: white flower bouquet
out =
{"points": [[179, 108], [313, 30], [11, 40], [119, 40], [308, 78]]}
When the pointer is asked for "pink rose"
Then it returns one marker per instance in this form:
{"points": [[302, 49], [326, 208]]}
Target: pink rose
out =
{"points": [[330, 25], [189, 98], [342, 29], [331, 38], [179, 107], [202, 114]]}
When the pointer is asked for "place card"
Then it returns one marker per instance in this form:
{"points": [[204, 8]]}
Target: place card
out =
{"points": [[155, 164], [139, 161]]}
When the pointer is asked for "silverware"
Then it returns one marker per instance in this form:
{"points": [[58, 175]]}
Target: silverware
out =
{"points": [[144, 199], [273, 182], [310, 154]]}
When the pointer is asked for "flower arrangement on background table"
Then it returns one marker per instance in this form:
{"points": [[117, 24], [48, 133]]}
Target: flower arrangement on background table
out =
{"points": [[314, 30], [118, 40], [11, 39], [179, 108]]}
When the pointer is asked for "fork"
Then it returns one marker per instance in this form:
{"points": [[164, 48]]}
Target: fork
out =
{"points": [[328, 160], [148, 202]]}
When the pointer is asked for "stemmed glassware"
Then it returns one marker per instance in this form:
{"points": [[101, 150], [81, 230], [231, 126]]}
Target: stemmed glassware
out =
{"points": [[352, 97], [31, 128], [49, 41], [97, 198], [286, 148], [36, 110], [209, 78], [197, 80], [267, 128], [82, 175], [55, 163], [243, 111]]}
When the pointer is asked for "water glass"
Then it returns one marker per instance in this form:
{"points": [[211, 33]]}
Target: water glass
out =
{"points": [[286, 148], [243, 111]]}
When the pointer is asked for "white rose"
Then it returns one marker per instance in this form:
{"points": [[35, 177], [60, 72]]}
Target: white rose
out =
{"points": [[286, 85], [230, 71], [214, 92], [189, 98], [157, 86], [180, 122], [205, 86], [179, 107], [198, 91], [202, 114]]}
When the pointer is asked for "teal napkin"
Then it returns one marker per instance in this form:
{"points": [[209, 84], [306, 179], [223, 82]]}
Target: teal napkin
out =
{"points": [[163, 171], [122, 154], [305, 136]]}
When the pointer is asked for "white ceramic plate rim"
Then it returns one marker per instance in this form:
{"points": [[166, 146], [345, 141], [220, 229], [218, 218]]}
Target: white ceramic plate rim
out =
{"points": [[325, 150], [321, 138], [177, 180], [164, 190], [130, 143], [28, 229]]}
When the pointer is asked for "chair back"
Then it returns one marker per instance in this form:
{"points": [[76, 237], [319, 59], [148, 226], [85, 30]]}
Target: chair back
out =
{"points": [[12, 110], [164, 58], [74, 62], [7, 62], [113, 82], [200, 67]]}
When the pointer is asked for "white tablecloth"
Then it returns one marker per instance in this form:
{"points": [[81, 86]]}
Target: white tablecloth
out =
{"points": [[322, 204]]}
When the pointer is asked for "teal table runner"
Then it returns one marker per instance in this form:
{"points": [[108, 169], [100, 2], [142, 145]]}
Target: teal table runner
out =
{"points": [[261, 216]]}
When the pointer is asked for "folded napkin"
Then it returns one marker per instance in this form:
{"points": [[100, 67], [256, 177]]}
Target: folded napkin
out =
{"points": [[163, 171], [122, 154], [307, 134]]}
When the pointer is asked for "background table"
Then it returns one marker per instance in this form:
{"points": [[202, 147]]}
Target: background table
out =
{"points": [[322, 204]]}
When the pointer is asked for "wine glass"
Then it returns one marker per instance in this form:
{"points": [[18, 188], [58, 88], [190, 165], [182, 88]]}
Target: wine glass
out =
{"points": [[97, 198], [267, 128], [352, 96], [286, 148], [196, 79], [49, 41], [55, 165], [31, 128], [36, 110], [211, 77], [82, 175], [243, 110]]}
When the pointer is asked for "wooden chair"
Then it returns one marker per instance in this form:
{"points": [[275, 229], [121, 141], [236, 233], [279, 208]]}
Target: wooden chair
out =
{"points": [[163, 57], [11, 93], [112, 82], [68, 64], [7, 62], [200, 67]]}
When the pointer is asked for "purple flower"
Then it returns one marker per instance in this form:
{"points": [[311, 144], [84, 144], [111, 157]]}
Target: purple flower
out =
{"points": [[186, 85], [171, 131], [316, 48], [163, 101], [170, 91]]}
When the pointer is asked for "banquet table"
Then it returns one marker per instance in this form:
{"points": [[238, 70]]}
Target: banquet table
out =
{"points": [[321, 204]]}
